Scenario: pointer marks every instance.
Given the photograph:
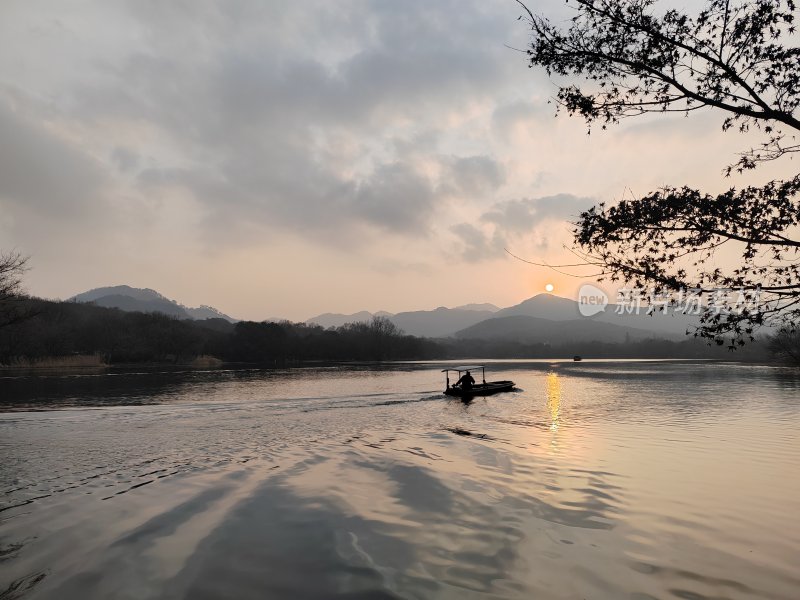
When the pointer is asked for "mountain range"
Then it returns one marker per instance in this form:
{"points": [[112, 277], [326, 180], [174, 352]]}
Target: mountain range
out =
{"points": [[532, 330], [537, 314], [442, 320], [327, 320], [544, 318], [127, 298]]}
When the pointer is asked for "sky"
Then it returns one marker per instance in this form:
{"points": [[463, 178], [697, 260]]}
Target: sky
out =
{"points": [[284, 159]]}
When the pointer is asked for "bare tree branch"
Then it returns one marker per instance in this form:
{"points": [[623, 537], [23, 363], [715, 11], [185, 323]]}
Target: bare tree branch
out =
{"points": [[734, 57]]}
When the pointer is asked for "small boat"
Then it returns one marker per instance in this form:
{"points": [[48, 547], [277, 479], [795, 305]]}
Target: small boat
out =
{"points": [[479, 389], [577, 358]]}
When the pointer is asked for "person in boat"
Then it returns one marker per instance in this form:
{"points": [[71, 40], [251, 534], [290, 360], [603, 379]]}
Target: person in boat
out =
{"points": [[466, 381]]}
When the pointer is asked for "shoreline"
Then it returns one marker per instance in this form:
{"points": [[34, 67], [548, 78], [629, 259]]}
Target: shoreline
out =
{"points": [[45, 366]]}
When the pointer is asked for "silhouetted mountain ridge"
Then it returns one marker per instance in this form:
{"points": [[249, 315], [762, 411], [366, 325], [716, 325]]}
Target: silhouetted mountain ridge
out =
{"points": [[529, 330], [441, 322], [487, 306], [327, 320], [131, 299], [556, 308], [446, 322]]}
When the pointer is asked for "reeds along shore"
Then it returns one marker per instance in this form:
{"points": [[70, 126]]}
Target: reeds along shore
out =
{"points": [[90, 361], [57, 362]]}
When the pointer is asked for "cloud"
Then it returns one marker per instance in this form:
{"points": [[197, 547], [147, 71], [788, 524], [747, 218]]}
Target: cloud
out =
{"points": [[126, 159], [44, 174], [472, 176], [204, 137], [511, 220], [395, 198], [476, 244], [248, 107], [510, 115], [519, 216]]}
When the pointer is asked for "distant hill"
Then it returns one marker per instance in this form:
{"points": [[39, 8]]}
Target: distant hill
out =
{"points": [[446, 322], [145, 294], [216, 324], [440, 322], [544, 318], [327, 320], [208, 312], [533, 330], [130, 304], [544, 306], [484, 306], [555, 308], [132, 299]]}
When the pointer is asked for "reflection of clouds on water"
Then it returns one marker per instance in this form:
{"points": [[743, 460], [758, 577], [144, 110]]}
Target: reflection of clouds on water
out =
{"points": [[361, 483], [366, 524]]}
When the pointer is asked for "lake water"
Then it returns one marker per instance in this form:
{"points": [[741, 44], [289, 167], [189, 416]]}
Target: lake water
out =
{"points": [[596, 480]]}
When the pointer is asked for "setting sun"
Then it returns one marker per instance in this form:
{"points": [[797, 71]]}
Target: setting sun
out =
{"points": [[549, 287]]}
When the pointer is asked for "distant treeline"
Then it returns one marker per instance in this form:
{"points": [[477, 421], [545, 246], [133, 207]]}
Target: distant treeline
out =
{"points": [[66, 329], [58, 329]]}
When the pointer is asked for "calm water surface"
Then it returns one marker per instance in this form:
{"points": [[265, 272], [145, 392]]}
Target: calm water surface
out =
{"points": [[619, 480]]}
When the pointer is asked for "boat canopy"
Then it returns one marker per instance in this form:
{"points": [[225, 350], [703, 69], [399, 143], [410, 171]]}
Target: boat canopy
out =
{"points": [[465, 368]]}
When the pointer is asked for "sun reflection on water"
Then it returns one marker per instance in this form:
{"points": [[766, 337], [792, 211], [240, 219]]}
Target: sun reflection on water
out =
{"points": [[554, 399]]}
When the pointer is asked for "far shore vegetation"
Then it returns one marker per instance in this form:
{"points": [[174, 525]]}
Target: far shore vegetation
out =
{"points": [[69, 334]]}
